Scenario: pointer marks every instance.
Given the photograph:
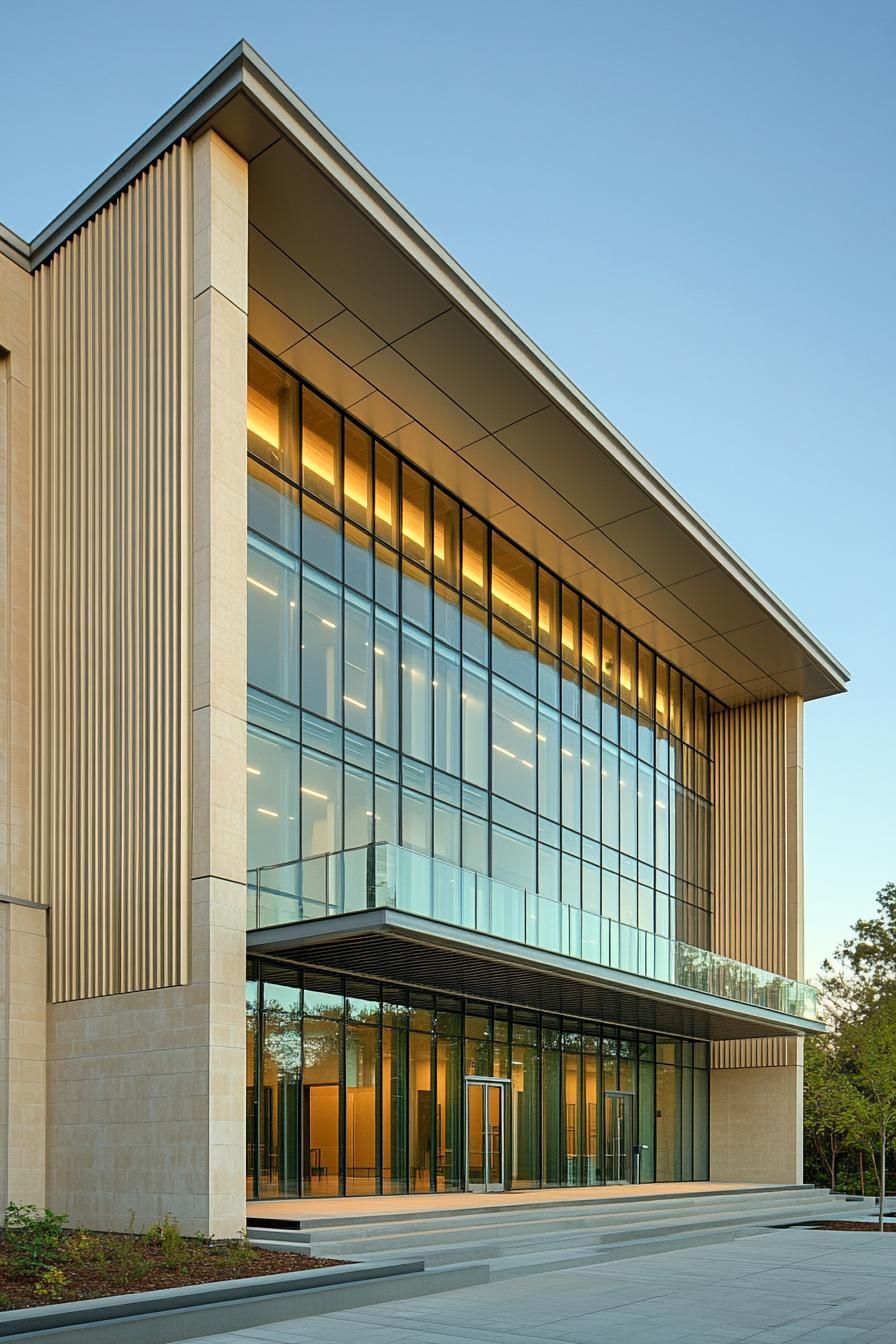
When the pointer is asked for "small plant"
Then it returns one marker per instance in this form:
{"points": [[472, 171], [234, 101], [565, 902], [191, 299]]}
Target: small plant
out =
{"points": [[35, 1236], [239, 1250], [50, 1285], [81, 1247], [126, 1259], [168, 1235], [6, 1302]]}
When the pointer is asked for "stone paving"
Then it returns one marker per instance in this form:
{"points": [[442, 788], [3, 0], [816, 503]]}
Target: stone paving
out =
{"points": [[815, 1287]]}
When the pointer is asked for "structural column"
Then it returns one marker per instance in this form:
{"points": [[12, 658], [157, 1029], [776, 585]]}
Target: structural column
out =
{"points": [[756, 1086], [220, 300]]}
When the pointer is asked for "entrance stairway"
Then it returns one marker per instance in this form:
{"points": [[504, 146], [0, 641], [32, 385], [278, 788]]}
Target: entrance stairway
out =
{"points": [[515, 1239]]}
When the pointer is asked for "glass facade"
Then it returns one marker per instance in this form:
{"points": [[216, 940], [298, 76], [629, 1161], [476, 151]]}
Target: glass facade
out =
{"points": [[359, 1088], [416, 678]]}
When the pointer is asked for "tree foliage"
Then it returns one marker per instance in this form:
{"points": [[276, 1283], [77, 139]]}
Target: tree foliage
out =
{"points": [[850, 1075]]}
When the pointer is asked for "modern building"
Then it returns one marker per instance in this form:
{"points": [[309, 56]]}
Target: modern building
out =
{"points": [[401, 785]]}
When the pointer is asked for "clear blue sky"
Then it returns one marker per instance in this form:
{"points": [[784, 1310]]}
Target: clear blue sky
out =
{"points": [[691, 207]]}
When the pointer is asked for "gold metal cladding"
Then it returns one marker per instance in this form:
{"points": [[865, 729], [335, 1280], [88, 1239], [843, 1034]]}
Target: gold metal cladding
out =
{"points": [[757, 847], [113, 314]]}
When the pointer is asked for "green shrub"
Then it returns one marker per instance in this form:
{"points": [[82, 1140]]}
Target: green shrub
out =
{"points": [[35, 1238], [50, 1285], [167, 1234]]}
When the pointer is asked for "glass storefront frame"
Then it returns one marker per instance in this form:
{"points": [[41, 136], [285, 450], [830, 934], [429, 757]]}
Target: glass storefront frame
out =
{"points": [[357, 1087]]}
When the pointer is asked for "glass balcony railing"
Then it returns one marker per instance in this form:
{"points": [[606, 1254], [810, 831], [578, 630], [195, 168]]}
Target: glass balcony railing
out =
{"points": [[387, 876]]}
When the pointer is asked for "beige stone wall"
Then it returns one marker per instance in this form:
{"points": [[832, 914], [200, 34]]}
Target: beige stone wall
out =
{"points": [[23, 1068], [756, 1124], [147, 1089]]}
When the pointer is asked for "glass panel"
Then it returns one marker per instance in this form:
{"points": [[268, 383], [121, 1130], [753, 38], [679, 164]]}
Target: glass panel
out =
{"points": [[321, 659], [592, 1171], [494, 1138], [548, 611], [272, 414], [357, 696], [572, 1086], [321, 804], [385, 679], [421, 1093], [272, 587], [320, 448], [416, 695], [386, 495], [668, 1140], [281, 1073], [321, 537], [474, 702], [513, 745], [474, 558], [358, 493], [446, 538], [448, 1114], [513, 585], [618, 1137], [252, 1113], [273, 507], [272, 780], [322, 1048], [361, 1108], [476, 1120], [551, 1111], [569, 627], [626, 668], [415, 516], [395, 1109], [447, 715]]}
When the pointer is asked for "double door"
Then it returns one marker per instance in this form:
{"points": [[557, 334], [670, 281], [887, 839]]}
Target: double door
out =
{"points": [[485, 1125], [619, 1137]]}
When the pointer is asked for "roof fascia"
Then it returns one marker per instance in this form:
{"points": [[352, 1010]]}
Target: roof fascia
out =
{"points": [[309, 134], [15, 248], [243, 72]]}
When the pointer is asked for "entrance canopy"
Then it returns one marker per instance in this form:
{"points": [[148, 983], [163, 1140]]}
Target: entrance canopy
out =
{"points": [[406, 948]]}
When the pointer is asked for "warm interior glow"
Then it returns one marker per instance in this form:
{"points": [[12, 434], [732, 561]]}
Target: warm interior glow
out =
{"points": [[263, 417], [315, 793]]}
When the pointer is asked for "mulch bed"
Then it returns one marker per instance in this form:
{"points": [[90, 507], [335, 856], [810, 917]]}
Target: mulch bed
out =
{"points": [[853, 1227], [105, 1264]]}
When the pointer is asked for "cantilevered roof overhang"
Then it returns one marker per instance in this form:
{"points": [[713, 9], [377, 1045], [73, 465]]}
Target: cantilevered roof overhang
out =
{"points": [[349, 290], [413, 950]]}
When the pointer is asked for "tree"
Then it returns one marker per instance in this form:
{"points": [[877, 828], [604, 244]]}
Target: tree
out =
{"points": [[868, 1044], [834, 1115], [863, 967]]}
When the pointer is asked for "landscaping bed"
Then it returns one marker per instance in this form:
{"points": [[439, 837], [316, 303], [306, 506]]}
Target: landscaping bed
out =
{"points": [[870, 1225], [41, 1263]]}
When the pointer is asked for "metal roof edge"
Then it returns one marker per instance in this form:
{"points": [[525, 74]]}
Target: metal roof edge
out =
{"points": [[243, 70], [280, 103], [15, 248]]}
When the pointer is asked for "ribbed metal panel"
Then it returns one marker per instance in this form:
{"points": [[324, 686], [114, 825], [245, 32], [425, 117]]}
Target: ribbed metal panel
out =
{"points": [[757, 896], [112, 583]]}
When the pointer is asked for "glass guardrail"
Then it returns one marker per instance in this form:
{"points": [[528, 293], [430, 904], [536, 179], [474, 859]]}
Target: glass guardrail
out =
{"points": [[387, 876]]}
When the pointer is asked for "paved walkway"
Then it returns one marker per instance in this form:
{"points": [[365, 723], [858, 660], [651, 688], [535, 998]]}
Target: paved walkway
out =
{"points": [[813, 1287]]}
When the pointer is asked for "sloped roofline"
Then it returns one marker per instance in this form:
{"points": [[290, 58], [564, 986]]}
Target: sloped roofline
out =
{"points": [[243, 75]]}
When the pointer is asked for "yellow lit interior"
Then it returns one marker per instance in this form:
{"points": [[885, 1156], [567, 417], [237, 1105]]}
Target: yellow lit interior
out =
{"points": [[263, 416]]}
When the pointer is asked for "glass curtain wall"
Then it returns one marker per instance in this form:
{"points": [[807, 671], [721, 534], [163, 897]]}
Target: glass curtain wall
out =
{"points": [[416, 677], [357, 1088]]}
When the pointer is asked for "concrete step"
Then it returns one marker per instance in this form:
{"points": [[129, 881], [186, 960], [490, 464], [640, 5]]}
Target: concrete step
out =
{"points": [[495, 1243], [448, 1225], [309, 1220], [354, 1240]]}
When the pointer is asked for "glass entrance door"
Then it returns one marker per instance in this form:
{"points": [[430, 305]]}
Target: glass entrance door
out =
{"points": [[485, 1134], [619, 1136]]}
